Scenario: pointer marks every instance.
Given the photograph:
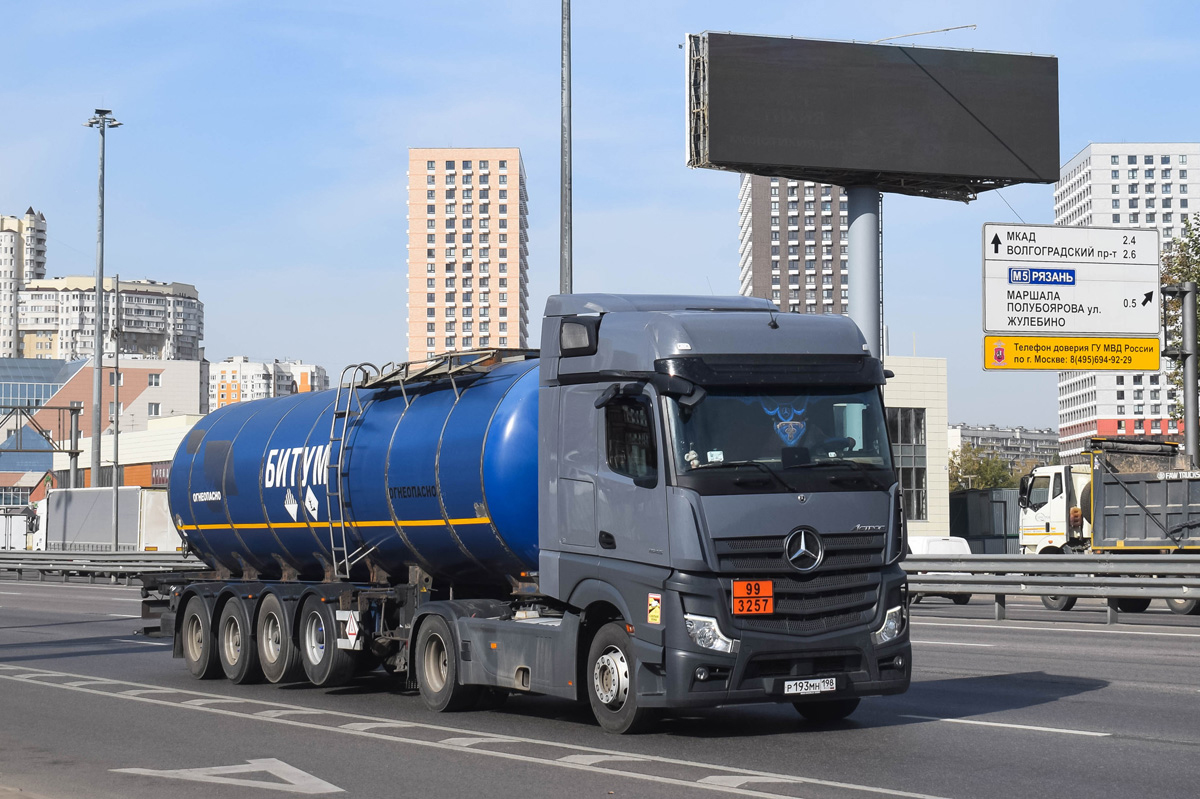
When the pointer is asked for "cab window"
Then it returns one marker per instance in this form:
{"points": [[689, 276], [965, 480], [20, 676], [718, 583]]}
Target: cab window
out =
{"points": [[629, 440], [1039, 492], [1057, 487]]}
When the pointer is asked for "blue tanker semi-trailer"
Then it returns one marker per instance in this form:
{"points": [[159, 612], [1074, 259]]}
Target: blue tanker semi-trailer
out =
{"points": [[684, 502]]}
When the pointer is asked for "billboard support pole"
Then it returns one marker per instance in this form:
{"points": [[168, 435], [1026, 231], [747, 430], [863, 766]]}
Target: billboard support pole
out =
{"points": [[1191, 413], [866, 304], [565, 278]]}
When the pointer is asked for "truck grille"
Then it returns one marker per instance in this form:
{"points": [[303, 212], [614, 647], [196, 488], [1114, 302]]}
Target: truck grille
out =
{"points": [[841, 593]]}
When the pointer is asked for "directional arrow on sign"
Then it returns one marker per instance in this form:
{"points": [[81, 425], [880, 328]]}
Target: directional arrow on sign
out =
{"points": [[287, 778], [1149, 296], [996, 243]]}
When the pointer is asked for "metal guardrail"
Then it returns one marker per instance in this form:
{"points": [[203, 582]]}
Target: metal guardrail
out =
{"points": [[1109, 577], [91, 564]]}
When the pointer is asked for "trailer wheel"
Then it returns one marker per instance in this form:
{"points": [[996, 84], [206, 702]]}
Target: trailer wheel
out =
{"points": [[277, 655], [1130, 604], [612, 681], [1184, 607], [826, 710], [436, 666], [198, 649], [1059, 602], [961, 599], [235, 648], [325, 664]]}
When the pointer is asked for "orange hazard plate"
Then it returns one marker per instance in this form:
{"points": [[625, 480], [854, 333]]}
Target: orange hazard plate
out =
{"points": [[753, 597]]}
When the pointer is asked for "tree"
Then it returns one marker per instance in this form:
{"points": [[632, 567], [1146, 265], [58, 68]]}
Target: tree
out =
{"points": [[1180, 264], [976, 467]]}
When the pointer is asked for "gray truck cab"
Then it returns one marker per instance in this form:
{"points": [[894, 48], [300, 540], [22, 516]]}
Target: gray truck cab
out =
{"points": [[717, 476]]}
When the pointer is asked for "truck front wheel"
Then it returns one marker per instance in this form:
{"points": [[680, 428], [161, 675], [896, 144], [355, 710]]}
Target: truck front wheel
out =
{"points": [[436, 665], [826, 711], [1184, 607], [1059, 602], [612, 681]]}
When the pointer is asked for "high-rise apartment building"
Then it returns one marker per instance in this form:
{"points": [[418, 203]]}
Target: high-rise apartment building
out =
{"points": [[158, 320], [467, 250], [1135, 186], [792, 237], [22, 259], [238, 379]]}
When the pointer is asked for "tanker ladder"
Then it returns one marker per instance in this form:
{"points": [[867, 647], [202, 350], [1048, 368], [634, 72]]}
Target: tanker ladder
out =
{"points": [[335, 497]]}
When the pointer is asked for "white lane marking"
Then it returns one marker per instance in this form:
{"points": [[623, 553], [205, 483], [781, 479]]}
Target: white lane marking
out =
{"points": [[468, 742], [78, 683], [947, 643], [210, 700], [1012, 726], [735, 780], [591, 760], [12, 593], [144, 643], [499, 754], [294, 780], [361, 726], [274, 714], [124, 615], [1010, 626], [141, 691]]}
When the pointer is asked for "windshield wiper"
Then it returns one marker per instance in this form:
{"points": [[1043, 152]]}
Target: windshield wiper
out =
{"points": [[759, 464], [855, 465]]}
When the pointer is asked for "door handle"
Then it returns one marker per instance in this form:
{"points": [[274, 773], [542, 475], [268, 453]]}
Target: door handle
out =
{"points": [[607, 541]]}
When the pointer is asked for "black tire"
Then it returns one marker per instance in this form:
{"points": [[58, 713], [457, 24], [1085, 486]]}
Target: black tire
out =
{"points": [[236, 649], [277, 653], [826, 711], [1130, 604], [916, 599], [611, 678], [196, 632], [492, 699], [1184, 607], [1059, 602], [325, 665], [435, 665], [961, 599]]}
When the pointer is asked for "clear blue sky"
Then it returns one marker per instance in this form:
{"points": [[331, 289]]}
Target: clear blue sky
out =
{"points": [[264, 151]]}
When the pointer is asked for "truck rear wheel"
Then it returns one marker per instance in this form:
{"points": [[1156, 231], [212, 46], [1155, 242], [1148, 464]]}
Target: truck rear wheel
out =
{"points": [[326, 665], [1184, 607], [198, 650], [1131, 604], [436, 666], [235, 647], [277, 655], [612, 681], [1058, 602], [826, 710]]}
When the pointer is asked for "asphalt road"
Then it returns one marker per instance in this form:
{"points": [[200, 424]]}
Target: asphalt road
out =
{"points": [[1055, 705]]}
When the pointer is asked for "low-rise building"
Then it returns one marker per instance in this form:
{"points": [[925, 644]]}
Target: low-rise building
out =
{"points": [[1014, 444], [917, 406], [239, 379]]}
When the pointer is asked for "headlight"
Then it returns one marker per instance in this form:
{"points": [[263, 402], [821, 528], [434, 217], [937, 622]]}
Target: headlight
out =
{"points": [[706, 633], [894, 622]]}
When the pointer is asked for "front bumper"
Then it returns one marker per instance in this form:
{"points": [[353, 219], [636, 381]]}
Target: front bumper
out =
{"points": [[765, 661]]}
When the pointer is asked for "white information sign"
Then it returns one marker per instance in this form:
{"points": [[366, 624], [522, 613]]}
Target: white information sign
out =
{"points": [[1053, 280]]}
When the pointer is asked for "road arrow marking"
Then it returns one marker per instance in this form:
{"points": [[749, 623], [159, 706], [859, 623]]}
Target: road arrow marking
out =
{"points": [[293, 779]]}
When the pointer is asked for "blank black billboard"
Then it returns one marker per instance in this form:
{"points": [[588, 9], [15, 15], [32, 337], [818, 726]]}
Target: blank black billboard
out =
{"points": [[915, 120]]}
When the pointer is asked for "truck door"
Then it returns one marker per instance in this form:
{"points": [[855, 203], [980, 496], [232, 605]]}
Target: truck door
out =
{"points": [[1058, 506], [631, 505]]}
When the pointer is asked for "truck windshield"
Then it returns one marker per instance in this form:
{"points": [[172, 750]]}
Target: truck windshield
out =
{"points": [[1039, 491], [767, 441]]}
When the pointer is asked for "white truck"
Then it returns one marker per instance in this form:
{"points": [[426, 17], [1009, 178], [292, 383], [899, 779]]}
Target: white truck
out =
{"points": [[80, 520], [1080, 508]]}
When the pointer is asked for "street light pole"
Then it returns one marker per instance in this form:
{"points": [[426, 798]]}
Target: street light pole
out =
{"points": [[102, 120], [565, 268]]}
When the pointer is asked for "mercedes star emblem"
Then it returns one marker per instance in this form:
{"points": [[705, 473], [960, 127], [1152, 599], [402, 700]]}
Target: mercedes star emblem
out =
{"points": [[804, 550]]}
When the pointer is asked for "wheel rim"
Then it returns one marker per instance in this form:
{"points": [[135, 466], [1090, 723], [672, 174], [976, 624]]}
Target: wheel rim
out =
{"points": [[193, 637], [231, 640], [610, 678], [314, 638], [272, 638], [436, 663]]}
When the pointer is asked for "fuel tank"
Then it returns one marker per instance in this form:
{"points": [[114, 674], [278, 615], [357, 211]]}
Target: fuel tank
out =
{"points": [[439, 475]]}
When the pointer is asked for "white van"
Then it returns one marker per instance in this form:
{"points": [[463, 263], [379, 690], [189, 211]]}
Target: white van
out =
{"points": [[939, 545]]}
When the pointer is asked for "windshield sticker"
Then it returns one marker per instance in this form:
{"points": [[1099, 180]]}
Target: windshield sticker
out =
{"points": [[716, 456], [790, 426]]}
